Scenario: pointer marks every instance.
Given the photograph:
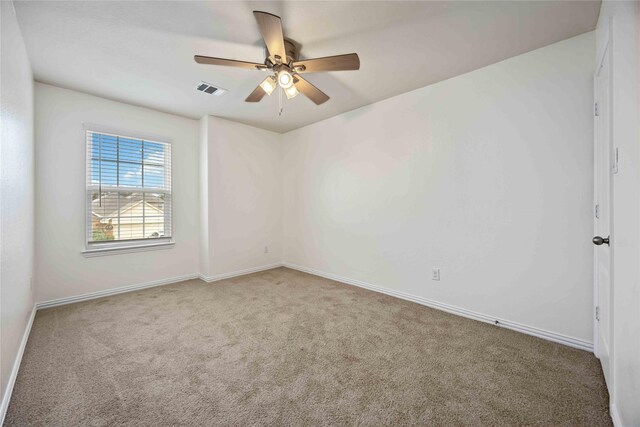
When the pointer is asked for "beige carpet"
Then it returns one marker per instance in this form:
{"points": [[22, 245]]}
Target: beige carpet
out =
{"points": [[286, 348]]}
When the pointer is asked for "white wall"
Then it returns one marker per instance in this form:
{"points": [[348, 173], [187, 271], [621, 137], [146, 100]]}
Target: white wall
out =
{"points": [[60, 268], [625, 312], [487, 176], [227, 196], [244, 186], [16, 192]]}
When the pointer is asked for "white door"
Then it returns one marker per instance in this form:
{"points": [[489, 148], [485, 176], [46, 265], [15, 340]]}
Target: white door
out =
{"points": [[604, 167]]}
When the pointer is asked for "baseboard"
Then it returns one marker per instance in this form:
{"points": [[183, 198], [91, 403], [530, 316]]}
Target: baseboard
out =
{"points": [[223, 276], [130, 288], [6, 398], [529, 330], [115, 291], [615, 416]]}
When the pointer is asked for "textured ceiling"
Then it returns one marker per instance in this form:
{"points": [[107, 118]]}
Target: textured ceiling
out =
{"points": [[142, 52]]}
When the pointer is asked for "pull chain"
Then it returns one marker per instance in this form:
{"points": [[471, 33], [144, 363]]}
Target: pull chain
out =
{"points": [[280, 101]]}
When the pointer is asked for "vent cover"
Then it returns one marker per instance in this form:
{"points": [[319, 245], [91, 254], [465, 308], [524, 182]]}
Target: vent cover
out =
{"points": [[210, 89]]}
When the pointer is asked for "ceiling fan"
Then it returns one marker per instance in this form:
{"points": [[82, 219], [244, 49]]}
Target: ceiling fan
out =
{"points": [[282, 60]]}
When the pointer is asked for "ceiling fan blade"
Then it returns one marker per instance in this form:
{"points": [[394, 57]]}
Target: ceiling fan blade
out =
{"points": [[349, 61], [310, 91], [227, 62], [256, 96], [271, 30]]}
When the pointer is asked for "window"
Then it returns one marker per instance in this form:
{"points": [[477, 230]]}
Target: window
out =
{"points": [[128, 191]]}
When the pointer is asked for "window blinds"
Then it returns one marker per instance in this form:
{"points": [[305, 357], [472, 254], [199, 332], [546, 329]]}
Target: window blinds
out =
{"points": [[128, 188]]}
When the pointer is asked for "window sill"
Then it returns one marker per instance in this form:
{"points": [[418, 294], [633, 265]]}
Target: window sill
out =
{"points": [[117, 250]]}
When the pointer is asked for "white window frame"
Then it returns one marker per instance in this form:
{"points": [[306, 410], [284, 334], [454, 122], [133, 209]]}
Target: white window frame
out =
{"points": [[93, 249]]}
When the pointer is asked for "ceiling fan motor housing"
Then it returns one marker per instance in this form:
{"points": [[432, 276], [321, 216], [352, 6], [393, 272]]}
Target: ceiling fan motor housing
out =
{"points": [[292, 50]]}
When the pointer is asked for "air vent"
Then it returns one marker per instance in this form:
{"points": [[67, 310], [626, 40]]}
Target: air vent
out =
{"points": [[210, 89]]}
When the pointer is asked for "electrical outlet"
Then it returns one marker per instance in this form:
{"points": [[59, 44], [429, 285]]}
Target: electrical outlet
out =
{"points": [[31, 284], [266, 249], [435, 274]]}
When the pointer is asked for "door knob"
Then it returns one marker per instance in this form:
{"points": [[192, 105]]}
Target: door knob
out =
{"points": [[600, 240]]}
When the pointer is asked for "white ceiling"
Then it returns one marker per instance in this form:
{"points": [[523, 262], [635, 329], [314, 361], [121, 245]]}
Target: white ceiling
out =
{"points": [[142, 52]]}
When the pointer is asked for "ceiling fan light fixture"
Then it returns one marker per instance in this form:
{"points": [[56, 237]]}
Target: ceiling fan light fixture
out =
{"points": [[291, 92], [268, 85], [285, 79]]}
